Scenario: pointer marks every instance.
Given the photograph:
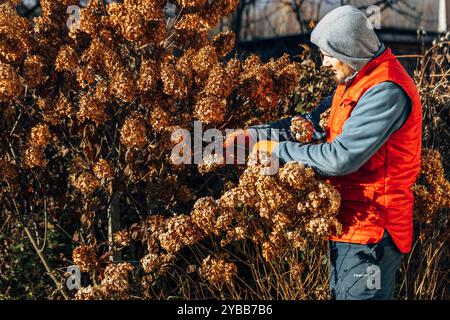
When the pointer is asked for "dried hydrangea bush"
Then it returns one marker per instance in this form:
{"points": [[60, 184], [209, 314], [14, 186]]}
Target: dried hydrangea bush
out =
{"points": [[87, 118]]}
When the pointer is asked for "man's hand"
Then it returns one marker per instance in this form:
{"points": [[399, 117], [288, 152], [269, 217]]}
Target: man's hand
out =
{"points": [[235, 144]]}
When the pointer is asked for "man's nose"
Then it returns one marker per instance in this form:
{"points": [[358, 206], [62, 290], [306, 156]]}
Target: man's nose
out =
{"points": [[326, 62]]}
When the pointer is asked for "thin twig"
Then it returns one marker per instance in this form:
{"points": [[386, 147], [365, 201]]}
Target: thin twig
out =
{"points": [[44, 261]]}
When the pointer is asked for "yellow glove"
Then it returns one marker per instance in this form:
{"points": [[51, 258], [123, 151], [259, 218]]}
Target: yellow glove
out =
{"points": [[265, 145]]}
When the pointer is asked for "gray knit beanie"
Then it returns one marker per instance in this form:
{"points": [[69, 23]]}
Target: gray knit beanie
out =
{"points": [[346, 34]]}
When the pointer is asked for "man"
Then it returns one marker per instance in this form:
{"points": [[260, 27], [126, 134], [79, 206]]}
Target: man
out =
{"points": [[371, 154]]}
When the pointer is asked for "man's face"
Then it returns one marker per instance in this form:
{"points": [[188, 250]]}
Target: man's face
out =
{"points": [[341, 70]]}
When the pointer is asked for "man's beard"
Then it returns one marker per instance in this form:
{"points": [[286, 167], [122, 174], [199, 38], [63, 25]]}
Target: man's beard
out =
{"points": [[342, 77]]}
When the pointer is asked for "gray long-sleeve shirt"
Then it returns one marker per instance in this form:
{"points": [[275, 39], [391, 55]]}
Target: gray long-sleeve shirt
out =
{"points": [[382, 110]]}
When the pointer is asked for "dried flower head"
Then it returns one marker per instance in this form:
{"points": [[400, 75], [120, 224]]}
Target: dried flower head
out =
{"points": [[148, 76], [324, 120], [84, 257], [40, 135], [90, 17], [159, 264], [10, 85], [102, 169], [159, 119], [224, 43], [16, 36], [297, 176], [192, 3], [86, 183], [85, 76], [174, 83], [34, 70], [205, 213], [67, 59], [286, 75], [211, 163], [302, 129], [122, 238], [219, 83], [123, 85], [133, 132], [94, 292], [34, 156], [102, 91], [192, 22], [116, 281], [210, 110], [273, 196], [130, 16], [269, 251], [257, 83], [55, 111], [92, 109], [324, 227], [180, 232], [219, 9], [432, 190], [233, 70], [203, 61], [218, 271]]}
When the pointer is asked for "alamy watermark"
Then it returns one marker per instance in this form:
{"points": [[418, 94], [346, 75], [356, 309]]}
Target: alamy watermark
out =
{"points": [[372, 275], [373, 13], [74, 279], [189, 148], [74, 17]]}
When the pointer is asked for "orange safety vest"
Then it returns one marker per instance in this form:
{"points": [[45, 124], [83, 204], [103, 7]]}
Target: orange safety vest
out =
{"points": [[378, 196]]}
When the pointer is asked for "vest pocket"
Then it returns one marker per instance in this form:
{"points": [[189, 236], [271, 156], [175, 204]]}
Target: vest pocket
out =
{"points": [[359, 211], [363, 194]]}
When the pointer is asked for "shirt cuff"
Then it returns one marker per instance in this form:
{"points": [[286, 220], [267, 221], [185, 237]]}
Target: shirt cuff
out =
{"points": [[276, 150]]}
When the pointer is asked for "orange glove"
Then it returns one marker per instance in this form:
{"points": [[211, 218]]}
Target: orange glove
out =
{"points": [[265, 145]]}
